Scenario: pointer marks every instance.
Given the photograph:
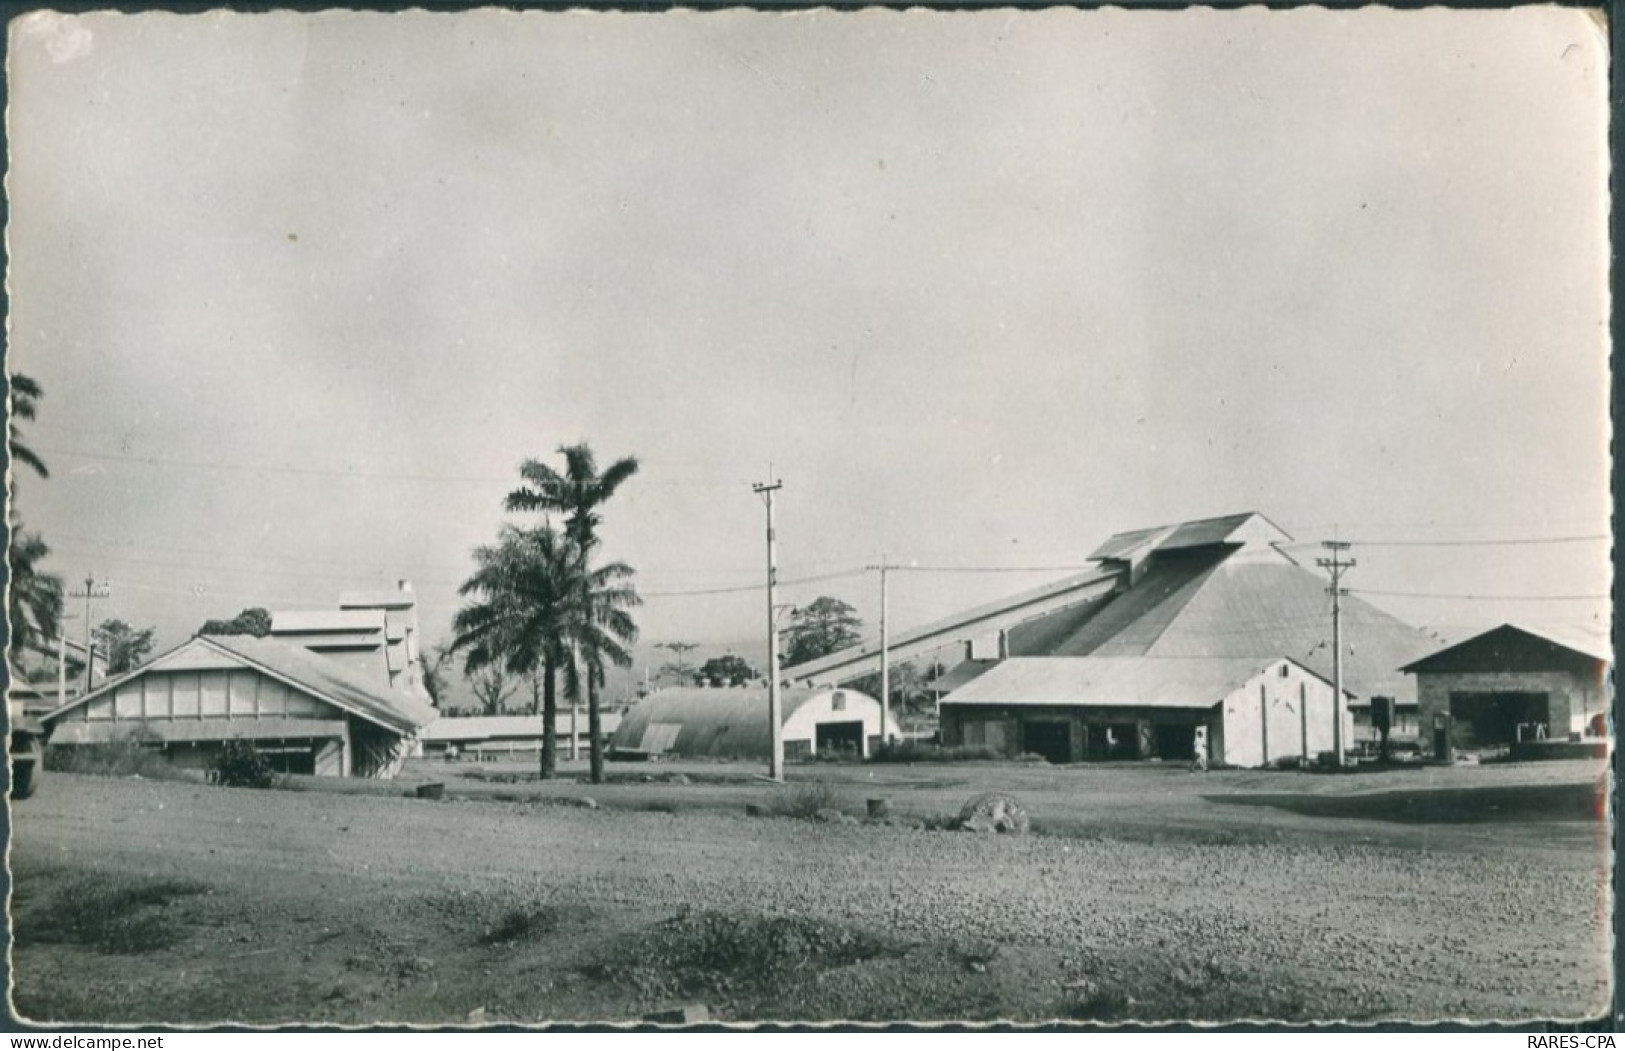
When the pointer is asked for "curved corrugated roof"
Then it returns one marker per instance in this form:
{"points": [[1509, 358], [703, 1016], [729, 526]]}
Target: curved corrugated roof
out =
{"points": [[722, 723]]}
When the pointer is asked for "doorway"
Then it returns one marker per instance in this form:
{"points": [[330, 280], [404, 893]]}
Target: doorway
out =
{"points": [[833, 738], [1051, 740], [1490, 719]]}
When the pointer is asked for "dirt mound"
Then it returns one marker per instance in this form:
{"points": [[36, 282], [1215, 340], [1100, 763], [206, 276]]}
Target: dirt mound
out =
{"points": [[712, 954]]}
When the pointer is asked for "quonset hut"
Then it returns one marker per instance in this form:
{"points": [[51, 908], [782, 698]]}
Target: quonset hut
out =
{"points": [[733, 724]]}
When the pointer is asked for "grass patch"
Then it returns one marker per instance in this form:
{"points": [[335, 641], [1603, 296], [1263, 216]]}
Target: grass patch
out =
{"points": [[714, 953], [523, 924], [125, 757], [925, 752], [118, 915], [804, 801]]}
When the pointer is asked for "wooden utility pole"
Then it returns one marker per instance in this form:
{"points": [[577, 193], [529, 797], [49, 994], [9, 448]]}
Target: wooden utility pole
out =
{"points": [[775, 725], [885, 656], [92, 591], [1336, 565]]}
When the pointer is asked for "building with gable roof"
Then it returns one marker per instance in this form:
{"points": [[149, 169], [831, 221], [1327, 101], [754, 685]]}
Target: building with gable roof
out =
{"points": [[306, 712], [1513, 684], [1220, 589]]}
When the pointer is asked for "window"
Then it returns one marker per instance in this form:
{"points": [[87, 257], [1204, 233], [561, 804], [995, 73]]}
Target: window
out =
{"points": [[837, 701], [1286, 670]]}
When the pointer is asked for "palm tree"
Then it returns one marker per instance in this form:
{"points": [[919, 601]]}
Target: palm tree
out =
{"points": [[525, 587], [577, 494], [36, 597], [25, 393]]}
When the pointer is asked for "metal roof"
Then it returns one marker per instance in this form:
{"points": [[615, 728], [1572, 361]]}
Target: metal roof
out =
{"points": [[1576, 642], [327, 620], [1202, 532], [722, 722], [497, 727], [903, 643], [350, 600], [960, 674], [1112, 682], [311, 673], [1196, 604]]}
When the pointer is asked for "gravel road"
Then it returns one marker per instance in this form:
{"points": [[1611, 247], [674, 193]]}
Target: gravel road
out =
{"points": [[1497, 930]]}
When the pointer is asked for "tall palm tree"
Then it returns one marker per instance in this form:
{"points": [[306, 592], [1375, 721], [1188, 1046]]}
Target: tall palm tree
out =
{"points": [[525, 590], [25, 394], [36, 596], [577, 494]]}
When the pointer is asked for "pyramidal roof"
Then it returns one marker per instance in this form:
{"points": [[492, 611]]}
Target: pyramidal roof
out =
{"points": [[1225, 588]]}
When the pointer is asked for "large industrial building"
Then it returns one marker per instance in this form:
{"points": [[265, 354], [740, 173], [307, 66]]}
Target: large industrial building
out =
{"points": [[732, 723], [1233, 592]]}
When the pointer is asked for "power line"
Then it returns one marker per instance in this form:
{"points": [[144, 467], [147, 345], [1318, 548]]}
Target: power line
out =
{"points": [[321, 472], [1482, 598], [1507, 542]]}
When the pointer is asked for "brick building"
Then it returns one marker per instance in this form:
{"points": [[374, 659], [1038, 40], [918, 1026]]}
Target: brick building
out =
{"points": [[1510, 684]]}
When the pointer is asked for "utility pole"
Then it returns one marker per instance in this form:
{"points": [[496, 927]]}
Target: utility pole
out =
{"points": [[92, 591], [885, 655], [1336, 565], [775, 727]]}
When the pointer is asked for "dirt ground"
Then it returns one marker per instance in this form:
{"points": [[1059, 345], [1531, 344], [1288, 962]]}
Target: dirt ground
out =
{"points": [[1145, 894]]}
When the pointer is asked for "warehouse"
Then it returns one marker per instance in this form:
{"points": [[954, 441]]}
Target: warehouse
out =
{"points": [[733, 723], [1228, 710], [1512, 684], [305, 712]]}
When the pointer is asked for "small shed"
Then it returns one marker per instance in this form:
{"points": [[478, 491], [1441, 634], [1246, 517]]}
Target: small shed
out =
{"points": [[1239, 711], [732, 723], [488, 735], [1513, 684], [308, 714]]}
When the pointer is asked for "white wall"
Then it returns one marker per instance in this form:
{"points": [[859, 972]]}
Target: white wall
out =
{"points": [[803, 724], [1267, 713]]}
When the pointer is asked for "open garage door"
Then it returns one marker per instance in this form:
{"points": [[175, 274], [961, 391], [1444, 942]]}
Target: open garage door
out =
{"points": [[1052, 740], [840, 737], [1485, 720]]}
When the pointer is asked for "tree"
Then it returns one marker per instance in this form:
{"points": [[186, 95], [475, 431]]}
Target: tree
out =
{"points": [[253, 621], [907, 684], [728, 670], [523, 616], [25, 394], [127, 648], [823, 627], [35, 603], [434, 673], [578, 494], [493, 688], [679, 666]]}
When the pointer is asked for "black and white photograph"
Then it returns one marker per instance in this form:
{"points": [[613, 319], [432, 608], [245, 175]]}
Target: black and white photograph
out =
{"points": [[686, 518]]}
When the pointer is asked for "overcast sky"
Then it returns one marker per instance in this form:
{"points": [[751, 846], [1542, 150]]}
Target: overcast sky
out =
{"points": [[982, 288]]}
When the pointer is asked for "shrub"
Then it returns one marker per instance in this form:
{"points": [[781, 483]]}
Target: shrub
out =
{"points": [[804, 801], [241, 765], [129, 756], [521, 924], [924, 752], [108, 913]]}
